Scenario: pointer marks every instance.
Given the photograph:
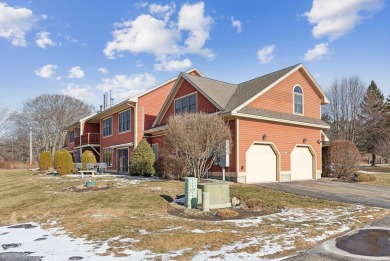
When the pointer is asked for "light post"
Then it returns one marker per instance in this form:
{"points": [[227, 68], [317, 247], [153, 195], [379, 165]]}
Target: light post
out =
{"points": [[30, 146]]}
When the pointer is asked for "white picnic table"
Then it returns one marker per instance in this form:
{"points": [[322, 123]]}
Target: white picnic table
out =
{"points": [[91, 171]]}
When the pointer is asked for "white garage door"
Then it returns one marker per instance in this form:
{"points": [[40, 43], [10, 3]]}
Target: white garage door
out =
{"points": [[301, 164], [260, 164]]}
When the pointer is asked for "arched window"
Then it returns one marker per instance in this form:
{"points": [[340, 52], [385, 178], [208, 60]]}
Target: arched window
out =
{"points": [[298, 100]]}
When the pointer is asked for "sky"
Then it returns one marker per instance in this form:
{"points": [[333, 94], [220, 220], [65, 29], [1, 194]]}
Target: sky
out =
{"points": [[86, 48]]}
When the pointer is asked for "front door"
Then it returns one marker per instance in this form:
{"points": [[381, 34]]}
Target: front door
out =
{"points": [[123, 160]]}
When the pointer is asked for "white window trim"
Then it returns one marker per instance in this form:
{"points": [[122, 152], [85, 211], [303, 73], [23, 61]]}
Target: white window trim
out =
{"points": [[121, 132], [112, 126], [303, 103], [181, 97]]}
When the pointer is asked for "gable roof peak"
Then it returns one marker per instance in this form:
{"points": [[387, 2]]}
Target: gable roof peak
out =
{"points": [[278, 72]]}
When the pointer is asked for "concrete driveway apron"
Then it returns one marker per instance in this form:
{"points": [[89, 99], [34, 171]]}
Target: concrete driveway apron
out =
{"points": [[355, 193]]}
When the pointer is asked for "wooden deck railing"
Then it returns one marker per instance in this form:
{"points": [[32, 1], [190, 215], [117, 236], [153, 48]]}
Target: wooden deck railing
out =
{"points": [[88, 138]]}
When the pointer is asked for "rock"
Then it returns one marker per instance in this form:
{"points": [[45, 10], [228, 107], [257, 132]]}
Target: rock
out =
{"points": [[25, 226], [40, 239], [75, 258], [19, 256], [235, 201], [6, 246]]}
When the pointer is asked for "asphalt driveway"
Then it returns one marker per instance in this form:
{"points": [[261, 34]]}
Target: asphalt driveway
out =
{"points": [[356, 193]]}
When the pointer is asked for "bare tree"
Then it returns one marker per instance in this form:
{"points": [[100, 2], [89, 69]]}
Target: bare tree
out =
{"points": [[344, 158], [4, 122], [48, 115], [344, 109], [199, 138], [382, 147]]}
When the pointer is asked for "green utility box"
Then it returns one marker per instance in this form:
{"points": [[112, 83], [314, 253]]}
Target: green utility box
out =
{"points": [[219, 193], [191, 192]]}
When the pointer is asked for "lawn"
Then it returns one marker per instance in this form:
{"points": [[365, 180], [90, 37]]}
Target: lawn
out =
{"points": [[381, 172], [136, 211]]}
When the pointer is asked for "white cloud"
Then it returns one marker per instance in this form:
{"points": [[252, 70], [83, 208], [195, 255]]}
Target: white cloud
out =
{"points": [[15, 23], [193, 20], [43, 40], [164, 11], [44, 17], [139, 63], [173, 65], [79, 92], [46, 71], [141, 4], [335, 18], [144, 34], [103, 70], [266, 54], [123, 86], [237, 25], [317, 52], [73, 40], [76, 72], [159, 34]]}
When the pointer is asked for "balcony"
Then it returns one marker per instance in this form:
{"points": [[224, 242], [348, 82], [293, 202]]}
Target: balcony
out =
{"points": [[87, 139]]}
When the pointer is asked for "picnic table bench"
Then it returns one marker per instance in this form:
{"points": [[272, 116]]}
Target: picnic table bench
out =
{"points": [[90, 171]]}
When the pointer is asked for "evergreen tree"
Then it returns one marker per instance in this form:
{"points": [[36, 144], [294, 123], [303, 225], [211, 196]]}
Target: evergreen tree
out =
{"points": [[373, 116], [374, 90], [142, 160]]}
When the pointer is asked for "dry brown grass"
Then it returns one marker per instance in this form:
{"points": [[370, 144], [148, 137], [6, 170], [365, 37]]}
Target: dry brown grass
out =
{"points": [[382, 175], [227, 213], [137, 212], [361, 177]]}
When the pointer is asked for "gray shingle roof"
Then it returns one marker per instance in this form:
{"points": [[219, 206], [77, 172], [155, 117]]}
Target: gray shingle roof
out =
{"points": [[282, 116], [219, 92], [229, 96], [248, 89]]}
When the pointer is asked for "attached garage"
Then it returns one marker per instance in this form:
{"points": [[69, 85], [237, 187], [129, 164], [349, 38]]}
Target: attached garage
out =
{"points": [[261, 163], [301, 163]]}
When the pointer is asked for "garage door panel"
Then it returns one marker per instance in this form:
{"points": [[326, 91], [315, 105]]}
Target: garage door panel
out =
{"points": [[301, 164], [261, 164]]}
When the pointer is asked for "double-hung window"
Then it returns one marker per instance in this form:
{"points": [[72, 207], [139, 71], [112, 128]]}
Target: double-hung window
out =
{"points": [[124, 121], [298, 100], [107, 127], [107, 156], [185, 104], [71, 136], [155, 150]]}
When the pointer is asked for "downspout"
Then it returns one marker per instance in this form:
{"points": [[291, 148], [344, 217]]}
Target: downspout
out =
{"points": [[135, 125], [143, 121]]}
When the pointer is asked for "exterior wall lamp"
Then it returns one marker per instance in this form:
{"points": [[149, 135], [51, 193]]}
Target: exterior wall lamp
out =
{"points": [[264, 137], [304, 140]]}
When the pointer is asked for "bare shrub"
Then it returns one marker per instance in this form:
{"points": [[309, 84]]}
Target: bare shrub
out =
{"points": [[171, 167], [254, 204], [198, 138], [5, 164], [227, 213], [344, 158]]}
